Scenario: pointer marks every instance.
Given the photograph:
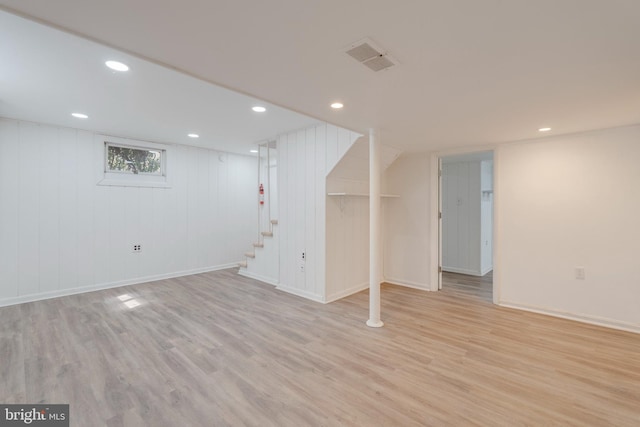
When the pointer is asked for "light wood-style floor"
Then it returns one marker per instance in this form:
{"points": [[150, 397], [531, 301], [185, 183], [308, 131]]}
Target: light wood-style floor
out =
{"points": [[218, 349], [478, 287]]}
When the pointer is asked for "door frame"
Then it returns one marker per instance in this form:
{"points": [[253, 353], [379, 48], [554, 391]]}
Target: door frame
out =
{"points": [[436, 222]]}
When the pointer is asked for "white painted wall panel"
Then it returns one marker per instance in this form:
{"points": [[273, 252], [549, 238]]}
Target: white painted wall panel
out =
{"points": [[305, 158], [49, 215], [300, 187], [9, 208], [332, 147], [320, 198], [61, 233], [283, 208], [85, 224], [29, 209], [68, 207], [310, 262]]}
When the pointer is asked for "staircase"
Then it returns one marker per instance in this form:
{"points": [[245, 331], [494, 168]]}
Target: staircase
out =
{"points": [[262, 260]]}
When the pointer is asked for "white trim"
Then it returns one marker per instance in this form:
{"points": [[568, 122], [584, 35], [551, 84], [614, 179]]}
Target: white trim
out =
{"points": [[102, 286], [299, 293], [350, 291], [123, 183], [408, 284], [435, 246], [462, 271], [258, 277], [583, 318]]}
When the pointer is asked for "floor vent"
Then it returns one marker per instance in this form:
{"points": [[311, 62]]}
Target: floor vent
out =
{"points": [[367, 53]]}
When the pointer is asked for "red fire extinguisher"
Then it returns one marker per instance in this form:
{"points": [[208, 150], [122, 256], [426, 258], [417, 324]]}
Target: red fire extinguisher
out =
{"points": [[261, 191]]}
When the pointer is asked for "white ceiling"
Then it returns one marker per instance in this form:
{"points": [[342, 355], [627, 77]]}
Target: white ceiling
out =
{"points": [[472, 72], [47, 74]]}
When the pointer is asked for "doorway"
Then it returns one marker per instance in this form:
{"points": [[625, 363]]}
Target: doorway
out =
{"points": [[466, 224]]}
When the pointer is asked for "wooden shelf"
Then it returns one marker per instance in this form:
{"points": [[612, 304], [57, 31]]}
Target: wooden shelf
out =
{"points": [[359, 195]]}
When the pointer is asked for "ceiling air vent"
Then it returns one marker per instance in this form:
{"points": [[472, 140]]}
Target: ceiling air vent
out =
{"points": [[367, 53]]}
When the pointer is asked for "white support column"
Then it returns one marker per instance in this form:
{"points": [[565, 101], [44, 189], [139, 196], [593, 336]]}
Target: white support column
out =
{"points": [[375, 240]]}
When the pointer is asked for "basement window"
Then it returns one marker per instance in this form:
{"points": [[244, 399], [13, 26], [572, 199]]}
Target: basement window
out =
{"points": [[142, 165], [134, 160]]}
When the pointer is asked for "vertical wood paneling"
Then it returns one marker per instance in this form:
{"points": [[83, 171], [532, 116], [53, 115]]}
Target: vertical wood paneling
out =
{"points": [[146, 260], [68, 208], [300, 188], [213, 208], [119, 248], [332, 147], [223, 200], [192, 207], [181, 237], [284, 219], [49, 215], [309, 210], [9, 207], [320, 209], [29, 207], [60, 231], [202, 187], [87, 195], [102, 220], [305, 158], [291, 262], [344, 142]]}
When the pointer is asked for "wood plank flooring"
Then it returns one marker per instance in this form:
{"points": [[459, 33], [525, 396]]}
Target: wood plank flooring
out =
{"points": [[477, 287], [217, 349]]}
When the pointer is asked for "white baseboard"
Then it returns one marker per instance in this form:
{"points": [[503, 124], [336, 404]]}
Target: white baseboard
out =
{"points": [[265, 279], [350, 291], [299, 293], [593, 320], [101, 286], [462, 271], [407, 284]]}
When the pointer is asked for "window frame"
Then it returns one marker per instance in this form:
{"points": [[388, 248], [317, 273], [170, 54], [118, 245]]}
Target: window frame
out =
{"points": [[163, 156], [129, 179]]}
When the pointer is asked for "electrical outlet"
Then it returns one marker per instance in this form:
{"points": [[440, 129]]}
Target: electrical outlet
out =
{"points": [[580, 273], [137, 248], [303, 256]]}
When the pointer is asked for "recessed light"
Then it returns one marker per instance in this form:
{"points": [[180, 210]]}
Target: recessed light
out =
{"points": [[193, 135], [117, 66], [253, 151], [544, 129], [259, 109], [79, 116], [337, 105]]}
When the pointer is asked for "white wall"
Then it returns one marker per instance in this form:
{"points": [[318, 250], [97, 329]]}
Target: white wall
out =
{"points": [[305, 157], [406, 221], [564, 202], [60, 233]]}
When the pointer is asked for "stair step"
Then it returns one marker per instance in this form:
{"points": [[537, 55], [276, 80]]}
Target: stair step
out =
{"points": [[274, 221], [267, 233], [258, 245], [242, 264], [250, 254]]}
